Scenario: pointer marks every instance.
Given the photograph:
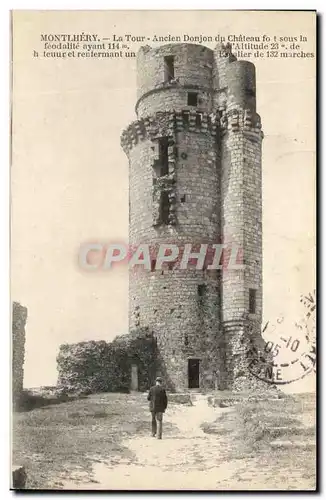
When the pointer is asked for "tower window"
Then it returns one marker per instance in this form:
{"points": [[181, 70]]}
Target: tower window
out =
{"points": [[192, 99], [168, 68], [252, 300], [201, 291], [185, 115], [153, 265], [164, 207], [163, 148], [198, 119]]}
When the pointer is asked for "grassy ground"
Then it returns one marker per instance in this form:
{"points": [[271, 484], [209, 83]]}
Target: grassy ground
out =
{"points": [[275, 437], [264, 422], [60, 439]]}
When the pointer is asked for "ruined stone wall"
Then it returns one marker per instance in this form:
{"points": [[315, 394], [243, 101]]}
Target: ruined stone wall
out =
{"points": [[214, 190], [19, 317], [98, 366]]}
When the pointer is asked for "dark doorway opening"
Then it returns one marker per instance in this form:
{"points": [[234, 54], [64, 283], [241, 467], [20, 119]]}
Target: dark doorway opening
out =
{"points": [[193, 373]]}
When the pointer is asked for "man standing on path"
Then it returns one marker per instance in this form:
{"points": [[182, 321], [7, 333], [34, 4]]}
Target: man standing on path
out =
{"points": [[158, 402]]}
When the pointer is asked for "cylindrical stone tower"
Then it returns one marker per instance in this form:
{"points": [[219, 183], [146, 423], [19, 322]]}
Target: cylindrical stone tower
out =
{"points": [[195, 178], [241, 208]]}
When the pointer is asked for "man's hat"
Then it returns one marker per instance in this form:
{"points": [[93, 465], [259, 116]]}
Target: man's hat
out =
{"points": [[159, 379]]}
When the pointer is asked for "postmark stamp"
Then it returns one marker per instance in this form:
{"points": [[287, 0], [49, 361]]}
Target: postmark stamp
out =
{"points": [[287, 357]]}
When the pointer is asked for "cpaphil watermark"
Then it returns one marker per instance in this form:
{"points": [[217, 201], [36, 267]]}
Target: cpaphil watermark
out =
{"points": [[287, 358], [209, 256]]}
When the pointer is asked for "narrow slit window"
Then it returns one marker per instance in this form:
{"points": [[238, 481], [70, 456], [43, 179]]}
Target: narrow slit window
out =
{"points": [[168, 68], [164, 207], [192, 99], [252, 300], [186, 117], [153, 265], [198, 119], [163, 151]]}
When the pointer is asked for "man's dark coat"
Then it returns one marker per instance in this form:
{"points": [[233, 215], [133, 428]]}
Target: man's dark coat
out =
{"points": [[157, 398]]}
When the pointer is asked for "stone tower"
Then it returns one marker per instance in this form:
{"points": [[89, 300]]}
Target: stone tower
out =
{"points": [[195, 177]]}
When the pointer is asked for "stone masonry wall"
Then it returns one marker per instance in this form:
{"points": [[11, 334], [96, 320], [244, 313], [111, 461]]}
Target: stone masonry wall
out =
{"points": [[213, 186], [19, 317], [170, 98], [184, 325], [242, 224], [193, 68], [168, 301]]}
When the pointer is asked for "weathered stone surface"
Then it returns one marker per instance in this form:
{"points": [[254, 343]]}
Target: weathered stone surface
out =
{"points": [[213, 192], [19, 317]]}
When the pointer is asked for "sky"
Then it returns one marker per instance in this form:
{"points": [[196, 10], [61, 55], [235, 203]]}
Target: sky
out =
{"points": [[69, 175]]}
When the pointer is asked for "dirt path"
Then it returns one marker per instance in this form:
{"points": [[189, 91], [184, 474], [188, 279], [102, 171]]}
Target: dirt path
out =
{"points": [[186, 458]]}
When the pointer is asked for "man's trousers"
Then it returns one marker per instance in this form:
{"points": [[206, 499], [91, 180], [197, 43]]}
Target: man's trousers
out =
{"points": [[157, 420]]}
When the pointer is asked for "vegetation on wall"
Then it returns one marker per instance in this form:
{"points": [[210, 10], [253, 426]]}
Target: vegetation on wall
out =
{"points": [[98, 366]]}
